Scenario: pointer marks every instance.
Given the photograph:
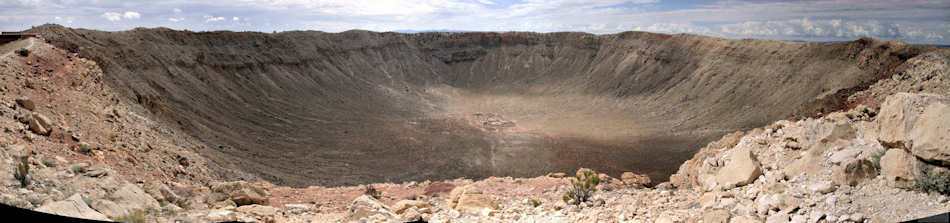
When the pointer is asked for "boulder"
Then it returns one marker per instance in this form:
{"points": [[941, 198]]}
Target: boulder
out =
{"points": [[635, 180], [411, 215], [97, 170], [455, 194], [823, 187], [741, 169], [402, 205], [126, 201], [899, 113], [844, 155], [364, 207], [897, 166], [853, 172], [256, 213], [476, 203], [467, 198], [240, 192], [39, 124], [74, 206], [161, 192], [930, 135]]}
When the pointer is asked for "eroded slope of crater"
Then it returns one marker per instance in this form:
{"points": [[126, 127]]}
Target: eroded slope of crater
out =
{"points": [[303, 108]]}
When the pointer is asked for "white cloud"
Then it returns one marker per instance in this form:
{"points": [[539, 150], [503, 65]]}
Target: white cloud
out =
{"points": [[914, 21], [235, 19], [115, 16], [112, 16], [674, 28], [131, 15], [209, 18]]}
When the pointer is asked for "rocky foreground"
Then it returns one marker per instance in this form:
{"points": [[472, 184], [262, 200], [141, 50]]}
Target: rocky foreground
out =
{"points": [[70, 148]]}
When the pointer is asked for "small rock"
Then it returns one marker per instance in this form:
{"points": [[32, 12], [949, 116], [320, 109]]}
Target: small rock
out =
{"points": [[365, 206], [96, 171], [741, 169], [777, 218], [823, 187], [402, 205], [39, 124], [240, 192], [26, 103]]}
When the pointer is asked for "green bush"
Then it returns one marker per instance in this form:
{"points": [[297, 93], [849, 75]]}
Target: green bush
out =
{"points": [[876, 158], [23, 52], [84, 148], [49, 163], [582, 187], [372, 192], [78, 169], [931, 180], [137, 217], [535, 203]]}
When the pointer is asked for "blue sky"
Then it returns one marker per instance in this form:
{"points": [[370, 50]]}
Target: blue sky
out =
{"points": [[915, 21]]}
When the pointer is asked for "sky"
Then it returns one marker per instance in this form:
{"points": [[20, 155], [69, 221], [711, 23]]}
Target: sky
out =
{"points": [[914, 21]]}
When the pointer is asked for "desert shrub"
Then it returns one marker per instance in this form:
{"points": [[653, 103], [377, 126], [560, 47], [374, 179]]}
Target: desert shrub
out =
{"points": [[137, 217], [84, 148], [23, 52], [582, 187], [372, 192], [535, 203], [78, 169], [23, 171], [931, 180], [49, 163], [876, 158]]}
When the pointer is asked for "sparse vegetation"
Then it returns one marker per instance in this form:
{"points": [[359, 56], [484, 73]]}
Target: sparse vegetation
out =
{"points": [[87, 200], [372, 192], [535, 203], [181, 203], [876, 158], [23, 52], [582, 187], [930, 179], [137, 217], [84, 148], [78, 169], [23, 171], [49, 163]]}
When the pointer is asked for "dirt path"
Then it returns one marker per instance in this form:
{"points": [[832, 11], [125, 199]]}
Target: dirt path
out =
{"points": [[11, 47]]}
